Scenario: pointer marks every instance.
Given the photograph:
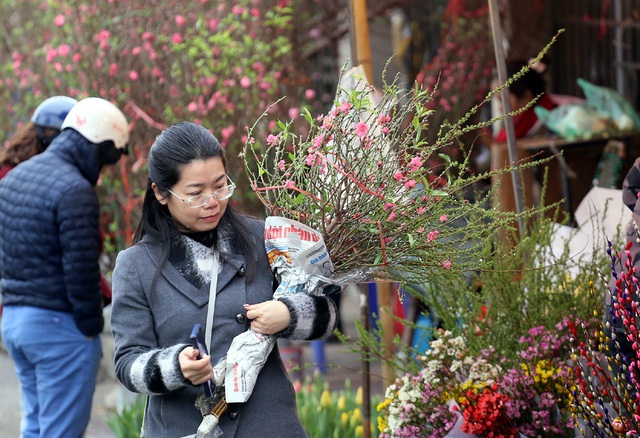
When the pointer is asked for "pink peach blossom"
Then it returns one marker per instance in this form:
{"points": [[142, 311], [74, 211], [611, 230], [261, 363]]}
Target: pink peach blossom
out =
{"points": [[180, 20], [345, 107], [415, 163], [272, 140], [192, 107], [64, 50], [410, 183], [317, 142], [361, 129], [51, 54], [59, 20], [383, 119], [177, 38], [245, 82], [133, 75]]}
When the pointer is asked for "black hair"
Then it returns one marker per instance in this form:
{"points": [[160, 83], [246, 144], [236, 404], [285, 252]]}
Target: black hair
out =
{"points": [[173, 149], [531, 80]]}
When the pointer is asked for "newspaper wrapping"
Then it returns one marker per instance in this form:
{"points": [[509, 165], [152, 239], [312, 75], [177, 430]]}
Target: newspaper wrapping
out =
{"points": [[299, 258]]}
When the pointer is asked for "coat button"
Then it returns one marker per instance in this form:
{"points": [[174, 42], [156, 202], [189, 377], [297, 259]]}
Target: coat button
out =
{"points": [[233, 415], [240, 319], [241, 271]]}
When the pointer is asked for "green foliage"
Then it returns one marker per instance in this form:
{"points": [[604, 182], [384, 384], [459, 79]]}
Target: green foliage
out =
{"points": [[333, 414], [493, 308], [128, 422]]}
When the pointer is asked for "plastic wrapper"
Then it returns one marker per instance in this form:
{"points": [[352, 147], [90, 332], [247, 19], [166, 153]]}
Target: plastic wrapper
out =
{"points": [[611, 105], [605, 113], [574, 121], [299, 258]]}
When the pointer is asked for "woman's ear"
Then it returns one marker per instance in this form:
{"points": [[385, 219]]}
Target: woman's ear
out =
{"points": [[161, 199]]}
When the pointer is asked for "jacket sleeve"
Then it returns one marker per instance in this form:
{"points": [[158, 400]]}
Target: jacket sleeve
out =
{"points": [[312, 316], [141, 365], [631, 185], [79, 234]]}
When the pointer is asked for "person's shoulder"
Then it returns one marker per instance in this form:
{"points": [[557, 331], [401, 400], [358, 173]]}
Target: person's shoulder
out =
{"points": [[254, 224], [134, 254]]}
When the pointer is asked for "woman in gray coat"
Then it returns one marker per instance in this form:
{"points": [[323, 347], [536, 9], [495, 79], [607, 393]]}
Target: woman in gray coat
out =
{"points": [[161, 289]]}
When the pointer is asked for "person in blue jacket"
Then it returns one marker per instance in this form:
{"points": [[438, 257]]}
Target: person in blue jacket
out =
{"points": [[49, 270]]}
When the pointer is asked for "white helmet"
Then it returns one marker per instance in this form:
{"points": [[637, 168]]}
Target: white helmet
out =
{"points": [[98, 120]]}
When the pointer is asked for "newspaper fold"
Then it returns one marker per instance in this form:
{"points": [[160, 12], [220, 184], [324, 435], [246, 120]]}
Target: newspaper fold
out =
{"points": [[299, 258]]}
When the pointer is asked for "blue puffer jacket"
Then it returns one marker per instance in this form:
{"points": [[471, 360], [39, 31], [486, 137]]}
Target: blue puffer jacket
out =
{"points": [[49, 232]]}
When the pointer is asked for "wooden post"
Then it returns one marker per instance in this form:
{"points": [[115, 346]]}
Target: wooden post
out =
{"points": [[385, 308], [366, 369]]}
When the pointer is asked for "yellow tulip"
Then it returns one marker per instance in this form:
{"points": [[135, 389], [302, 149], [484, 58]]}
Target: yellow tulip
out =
{"points": [[344, 418], [359, 396], [342, 403], [359, 431], [356, 417], [325, 399]]}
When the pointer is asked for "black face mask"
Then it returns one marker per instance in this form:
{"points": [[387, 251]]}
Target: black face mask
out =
{"points": [[109, 153], [46, 141]]}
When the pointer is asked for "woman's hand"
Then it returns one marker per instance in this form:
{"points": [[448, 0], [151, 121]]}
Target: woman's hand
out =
{"points": [[269, 317], [197, 371]]}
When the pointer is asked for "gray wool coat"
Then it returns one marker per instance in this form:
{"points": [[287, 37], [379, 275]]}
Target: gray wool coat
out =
{"points": [[152, 325]]}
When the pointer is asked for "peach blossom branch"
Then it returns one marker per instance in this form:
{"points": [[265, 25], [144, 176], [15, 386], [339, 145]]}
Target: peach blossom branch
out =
{"points": [[294, 188], [351, 177], [144, 116], [383, 245]]}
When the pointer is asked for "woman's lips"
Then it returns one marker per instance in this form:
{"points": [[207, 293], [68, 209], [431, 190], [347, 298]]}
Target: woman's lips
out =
{"points": [[211, 218]]}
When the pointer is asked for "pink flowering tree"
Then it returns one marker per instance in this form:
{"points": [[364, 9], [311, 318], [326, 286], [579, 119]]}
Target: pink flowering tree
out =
{"points": [[460, 73], [218, 63]]}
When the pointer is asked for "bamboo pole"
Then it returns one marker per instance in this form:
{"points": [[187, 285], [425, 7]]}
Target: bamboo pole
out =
{"points": [[361, 43], [496, 31], [361, 49]]}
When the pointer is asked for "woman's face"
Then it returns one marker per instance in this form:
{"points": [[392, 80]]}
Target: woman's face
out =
{"points": [[197, 178]]}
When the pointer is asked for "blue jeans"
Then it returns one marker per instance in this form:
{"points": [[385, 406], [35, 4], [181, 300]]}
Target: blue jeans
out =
{"points": [[57, 368]]}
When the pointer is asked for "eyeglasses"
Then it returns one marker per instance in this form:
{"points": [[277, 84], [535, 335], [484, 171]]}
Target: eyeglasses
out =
{"points": [[198, 201]]}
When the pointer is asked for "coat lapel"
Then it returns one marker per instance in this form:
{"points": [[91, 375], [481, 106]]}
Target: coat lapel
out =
{"points": [[231, 265]]}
